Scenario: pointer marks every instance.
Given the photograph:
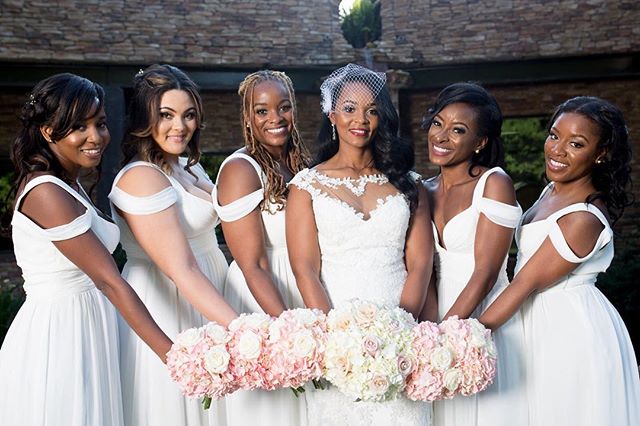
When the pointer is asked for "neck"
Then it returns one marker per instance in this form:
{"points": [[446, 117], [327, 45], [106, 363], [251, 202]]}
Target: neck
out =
{"points": [[354, 158], [454, 175], [276, 152], [582, 186], [172, 159]]}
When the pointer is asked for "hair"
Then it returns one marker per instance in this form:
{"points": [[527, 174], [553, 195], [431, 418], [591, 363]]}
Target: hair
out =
{"points": [[149, 86], [295, 153], [612, 176], [59, 102], [488, 120], [392, 155]]}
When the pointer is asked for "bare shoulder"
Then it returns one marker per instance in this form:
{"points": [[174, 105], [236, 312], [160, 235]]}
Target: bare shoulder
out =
{"points": [[50, 205], [581, 230], [500, 187], [142, 181], [237, 178]]}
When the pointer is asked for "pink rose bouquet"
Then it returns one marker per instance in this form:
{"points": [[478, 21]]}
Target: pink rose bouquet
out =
{"points": [[247, 345], [432, 360], [199, 363]]}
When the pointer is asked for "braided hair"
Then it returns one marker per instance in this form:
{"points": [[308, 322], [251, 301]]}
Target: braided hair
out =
{"points": [[296, 156]]}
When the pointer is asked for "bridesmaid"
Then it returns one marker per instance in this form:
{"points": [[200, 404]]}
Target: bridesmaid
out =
{"points": [[59, 361], [474, 211], [581, 368], [161, 201], [251, 201]]}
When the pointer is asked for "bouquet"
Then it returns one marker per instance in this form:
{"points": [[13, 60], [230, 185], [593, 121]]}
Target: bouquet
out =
{"points": [[248, 349], [455, 356], [368, 352], [199, 363], [295, 349]]}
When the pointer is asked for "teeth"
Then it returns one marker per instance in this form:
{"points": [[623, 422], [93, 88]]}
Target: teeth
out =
{"points": [[556, 164], [441, 150], [277, 131], [92, 151], [359, 132]]}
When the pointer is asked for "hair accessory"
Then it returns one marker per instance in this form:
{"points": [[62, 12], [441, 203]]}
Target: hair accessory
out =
{"points": [[32, 99], [332, 86], [140, 72], [333, 132]]}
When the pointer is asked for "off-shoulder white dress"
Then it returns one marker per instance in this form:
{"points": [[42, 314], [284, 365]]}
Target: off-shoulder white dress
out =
{"points": [[59, 359], [278, 407], [149, 395]]}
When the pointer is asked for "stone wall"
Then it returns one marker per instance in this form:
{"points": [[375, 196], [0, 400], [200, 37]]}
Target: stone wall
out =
{"points": [[208, 33], [459, 31]]}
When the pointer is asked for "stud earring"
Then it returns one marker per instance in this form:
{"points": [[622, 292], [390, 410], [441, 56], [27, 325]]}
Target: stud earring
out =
{"points": [[478, 151], [333, 132], [599, 161]]}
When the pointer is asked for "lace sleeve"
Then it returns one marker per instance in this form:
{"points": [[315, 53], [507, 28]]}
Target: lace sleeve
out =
{"points": [[143, 205], [304, 180]]}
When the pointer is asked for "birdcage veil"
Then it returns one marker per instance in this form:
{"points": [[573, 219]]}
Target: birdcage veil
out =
{"points": [[350, 73]]}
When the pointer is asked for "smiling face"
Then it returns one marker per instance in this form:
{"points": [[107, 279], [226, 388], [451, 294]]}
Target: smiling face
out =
{"points": [[355, 115], [177, 121], [84, 145], [453, 135], [271, 115], [571, 149]]}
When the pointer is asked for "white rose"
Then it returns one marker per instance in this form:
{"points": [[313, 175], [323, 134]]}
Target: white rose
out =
{"points": [[216, 360], [452, 379], [189, 338], [275, 331], [378, 385], [390, 350], [249, 345], [366, 313], [216, 332], [441, 358], [304, 344]]}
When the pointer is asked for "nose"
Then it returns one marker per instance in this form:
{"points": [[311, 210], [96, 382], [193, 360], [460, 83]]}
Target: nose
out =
{"points": [[439, 134], [274, 116], [178, 123], [362, 117], [556, 147], [98, 134]]}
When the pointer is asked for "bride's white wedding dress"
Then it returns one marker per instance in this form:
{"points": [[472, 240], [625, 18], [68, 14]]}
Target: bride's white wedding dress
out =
{"points": [[362, 225]]}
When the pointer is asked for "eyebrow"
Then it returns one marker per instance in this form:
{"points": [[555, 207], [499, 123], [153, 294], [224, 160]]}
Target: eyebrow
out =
{"points": [[454, 122], [171, 109], [578, 135], [264, 103], [358, 103]]}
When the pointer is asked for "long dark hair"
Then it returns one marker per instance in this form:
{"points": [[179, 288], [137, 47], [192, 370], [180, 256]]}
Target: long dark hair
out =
{"points": [[612, 175], [144, 112], [392, 155], [489, 120], [59, 102]]}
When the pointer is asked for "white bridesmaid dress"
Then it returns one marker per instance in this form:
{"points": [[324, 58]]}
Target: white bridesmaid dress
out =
{"points": [[581, 367], [149, 395], [278, 407], [59, 360], [504, 402]]}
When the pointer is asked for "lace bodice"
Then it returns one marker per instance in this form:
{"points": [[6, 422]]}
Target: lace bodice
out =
{"points": [[361, 242]]}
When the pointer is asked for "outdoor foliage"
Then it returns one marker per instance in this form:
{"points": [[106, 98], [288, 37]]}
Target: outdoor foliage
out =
{"points": [[362, 24], [523, 143]]}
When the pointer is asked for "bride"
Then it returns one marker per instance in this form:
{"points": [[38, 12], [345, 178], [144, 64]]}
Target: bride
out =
{"points": [[357, 227]]}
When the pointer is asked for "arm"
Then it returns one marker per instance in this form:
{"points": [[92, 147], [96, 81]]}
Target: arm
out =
{"points": [[545, 268], [492, 242], [245, 236], [161, 236], [304, 249], [430, 309], [418, 257], [49, 206]]}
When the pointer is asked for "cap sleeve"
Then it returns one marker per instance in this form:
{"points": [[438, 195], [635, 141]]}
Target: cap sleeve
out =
{"points": [[239, 208], [500, 213], [143, 205], [560, 243]]}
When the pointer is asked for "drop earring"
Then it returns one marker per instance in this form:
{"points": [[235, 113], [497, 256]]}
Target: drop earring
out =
{"points": [[333, 132]]}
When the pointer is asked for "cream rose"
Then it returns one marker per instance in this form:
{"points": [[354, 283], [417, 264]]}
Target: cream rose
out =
{"points": [[304, 344], [217, 333], [189, 338], [216, 360], [452, 379], [441, 358], [250, 345], [379, 385]]}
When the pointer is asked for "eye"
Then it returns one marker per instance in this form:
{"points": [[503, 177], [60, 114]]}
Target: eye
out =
{"points": [[553, 136], [102, 125], [459, 130], [373, 111], [261, 111], [79, 126], [436, 123], [166, 115], [191, 115], [349, 109], [285, 108], [576, 144]]}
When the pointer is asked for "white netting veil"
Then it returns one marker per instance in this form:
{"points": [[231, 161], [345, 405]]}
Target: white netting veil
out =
{"points": [[331, 88]]}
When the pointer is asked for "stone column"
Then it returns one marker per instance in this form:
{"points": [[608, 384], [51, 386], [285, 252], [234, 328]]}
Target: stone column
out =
{"points": [[397, 80]]}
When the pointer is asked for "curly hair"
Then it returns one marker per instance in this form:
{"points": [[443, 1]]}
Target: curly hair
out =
{"points": [[489, 120], [149, 86], [392, 155], [295, 153], [59, 102], [611, 176]]}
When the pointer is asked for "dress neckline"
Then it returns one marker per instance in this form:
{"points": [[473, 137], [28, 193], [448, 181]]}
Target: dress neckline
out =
{"points": [[355, 185]]}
